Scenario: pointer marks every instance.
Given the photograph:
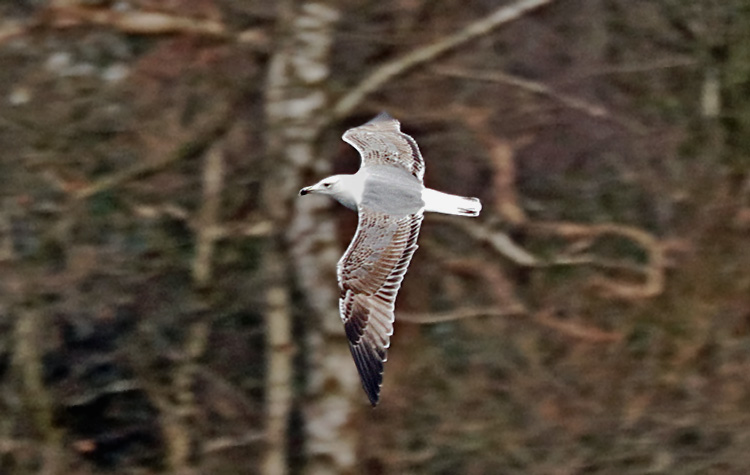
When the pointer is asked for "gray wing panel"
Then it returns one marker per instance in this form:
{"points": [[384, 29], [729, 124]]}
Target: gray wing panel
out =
{"points": [[391, 190]]}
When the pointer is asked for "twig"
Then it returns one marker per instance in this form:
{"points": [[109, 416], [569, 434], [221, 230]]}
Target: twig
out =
{"points": [[594, 110], [573, 329], [254, 226], [208, 217], [543, 318], [122, 386], [388, 71], [27, 360], [595, 261], [134, 22], [653, 271], [10, 30], [221, 387], [460, 314], [118, 178], [227, 443], [501, 153], [7, 253], [204, 138], [502, 290], [67, 14], [667, 63], [498, 240]]}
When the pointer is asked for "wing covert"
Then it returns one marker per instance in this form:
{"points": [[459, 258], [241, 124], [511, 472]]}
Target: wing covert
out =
{"points": [[381, 142], [370, 274]]}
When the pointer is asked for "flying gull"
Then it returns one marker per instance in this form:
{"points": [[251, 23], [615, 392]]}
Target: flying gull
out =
{"points": [[390, 198]]}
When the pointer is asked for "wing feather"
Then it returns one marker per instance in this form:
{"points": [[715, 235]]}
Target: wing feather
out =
{"points": [[370, 274], [381, 142]]}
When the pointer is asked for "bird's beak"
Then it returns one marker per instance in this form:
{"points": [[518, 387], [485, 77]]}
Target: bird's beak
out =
{"points": [[305, 190]]}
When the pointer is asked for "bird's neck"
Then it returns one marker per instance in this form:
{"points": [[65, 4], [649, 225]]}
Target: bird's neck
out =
{"points": [[351, 189]]}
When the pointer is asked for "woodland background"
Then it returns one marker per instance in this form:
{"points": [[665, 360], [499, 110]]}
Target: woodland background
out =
{"points": [[168, 304]]}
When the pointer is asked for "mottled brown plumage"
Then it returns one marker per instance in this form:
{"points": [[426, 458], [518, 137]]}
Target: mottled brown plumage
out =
{"points": [[381, 142], [390, 198], [370, 274]]}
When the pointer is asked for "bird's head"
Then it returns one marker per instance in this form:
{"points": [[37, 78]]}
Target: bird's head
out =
{"points": [[346, 189], [326, 186]]}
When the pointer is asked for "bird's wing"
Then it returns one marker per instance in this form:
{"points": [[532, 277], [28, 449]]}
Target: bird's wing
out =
{"points": [[370, 273], [381, 142]]}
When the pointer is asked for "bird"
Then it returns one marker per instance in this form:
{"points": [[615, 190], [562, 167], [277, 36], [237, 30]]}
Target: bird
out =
{"points": [[390, 198]]}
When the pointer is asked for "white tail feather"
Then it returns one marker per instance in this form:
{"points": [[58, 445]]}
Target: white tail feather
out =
{"points": [[439, 202]]}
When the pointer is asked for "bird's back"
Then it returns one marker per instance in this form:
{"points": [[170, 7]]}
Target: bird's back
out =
{"points": [[391, 190]]}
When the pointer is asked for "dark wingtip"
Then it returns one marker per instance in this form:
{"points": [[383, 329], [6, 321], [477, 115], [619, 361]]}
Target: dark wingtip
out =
{"points": [[373, 394], [370, 368]]}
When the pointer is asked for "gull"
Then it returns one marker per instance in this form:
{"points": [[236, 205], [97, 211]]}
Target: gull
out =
{"points": [[390, 198]]}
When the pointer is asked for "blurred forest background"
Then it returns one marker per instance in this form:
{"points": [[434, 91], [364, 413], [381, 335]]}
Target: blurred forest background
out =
{"points": [[168, 304]]}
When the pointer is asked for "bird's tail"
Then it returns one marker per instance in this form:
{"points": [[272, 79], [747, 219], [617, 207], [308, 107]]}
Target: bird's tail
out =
{"points": [[439, 202]]}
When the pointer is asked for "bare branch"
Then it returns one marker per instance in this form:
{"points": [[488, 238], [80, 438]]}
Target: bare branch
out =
{"points": [[498, 240], [66, 14], [422, 55], [654, 271], [593, 110], [10, 30], [254, 226], [7, 253], [460, 314], [502, 290], [595, 261], [27, 363], [632, 68], [222, 388], [119, 178], [501, 153], [205, 137], [543, 318], [213, 183], [227, 443], [575, 330]]}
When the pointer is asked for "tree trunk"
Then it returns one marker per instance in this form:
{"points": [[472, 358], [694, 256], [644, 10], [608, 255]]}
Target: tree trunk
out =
{"points": [[279, 369], [296, 110]]}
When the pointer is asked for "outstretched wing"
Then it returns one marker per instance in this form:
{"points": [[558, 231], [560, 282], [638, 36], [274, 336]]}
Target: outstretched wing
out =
{"points": [[381, 142], [370, 273]]}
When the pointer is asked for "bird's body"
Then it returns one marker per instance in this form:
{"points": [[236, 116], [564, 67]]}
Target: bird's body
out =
{"points": [[390, 197], [384, 188]]}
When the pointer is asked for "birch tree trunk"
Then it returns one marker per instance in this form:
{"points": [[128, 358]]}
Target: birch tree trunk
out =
{"points": [[296, 111]]}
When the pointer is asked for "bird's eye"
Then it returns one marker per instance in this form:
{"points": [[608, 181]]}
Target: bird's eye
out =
{"points": [[327, 185]]}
